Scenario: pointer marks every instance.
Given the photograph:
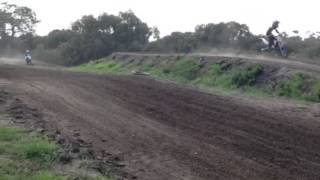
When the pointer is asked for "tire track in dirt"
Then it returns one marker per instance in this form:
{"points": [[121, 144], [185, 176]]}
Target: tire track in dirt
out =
{"points": [[160, 130]]}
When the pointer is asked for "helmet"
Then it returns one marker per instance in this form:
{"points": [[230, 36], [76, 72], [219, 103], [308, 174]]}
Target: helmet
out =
{"points": [[275, 23], [27, 51]]}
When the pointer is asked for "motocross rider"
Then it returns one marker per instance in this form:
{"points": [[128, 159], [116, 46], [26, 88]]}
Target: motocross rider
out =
{"points": [[27, 54], [271, 37]]}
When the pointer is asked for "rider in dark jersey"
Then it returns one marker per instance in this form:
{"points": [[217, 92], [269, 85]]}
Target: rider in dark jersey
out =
{"points": [[272, 38]]}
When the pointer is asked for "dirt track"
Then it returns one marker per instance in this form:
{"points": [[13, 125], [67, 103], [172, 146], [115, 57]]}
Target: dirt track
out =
{"points": [[162, 131]]}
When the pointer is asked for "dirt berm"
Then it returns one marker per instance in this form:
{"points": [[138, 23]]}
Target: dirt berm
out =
{"points": [[162, 131], [310, 66]]}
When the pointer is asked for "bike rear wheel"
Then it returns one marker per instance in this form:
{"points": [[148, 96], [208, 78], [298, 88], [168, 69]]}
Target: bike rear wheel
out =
{"points": [[284, 52]]}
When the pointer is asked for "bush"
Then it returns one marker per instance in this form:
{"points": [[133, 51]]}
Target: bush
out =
{"points": [[293, 88], [246, 77], [216, 70], [230, 79], [210, 79], [52, 56], [185, 70]]}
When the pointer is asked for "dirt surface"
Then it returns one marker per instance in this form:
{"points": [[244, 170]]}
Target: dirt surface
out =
{"points": [[162, 131]]}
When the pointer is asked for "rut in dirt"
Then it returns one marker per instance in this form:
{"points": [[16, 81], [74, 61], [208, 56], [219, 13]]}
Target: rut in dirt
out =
{"points": [[160, 130]]}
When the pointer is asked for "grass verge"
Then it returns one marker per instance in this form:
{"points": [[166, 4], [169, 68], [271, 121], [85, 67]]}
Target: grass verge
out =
{"points": [[29, 156]]}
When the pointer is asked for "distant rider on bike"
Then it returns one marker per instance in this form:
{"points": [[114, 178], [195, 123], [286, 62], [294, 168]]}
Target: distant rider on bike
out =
{"points": [[271, 37], [27, 56]]}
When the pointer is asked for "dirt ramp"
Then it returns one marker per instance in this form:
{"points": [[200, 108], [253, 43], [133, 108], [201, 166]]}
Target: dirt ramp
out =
{"points": [[271, 78], [277, 62]]}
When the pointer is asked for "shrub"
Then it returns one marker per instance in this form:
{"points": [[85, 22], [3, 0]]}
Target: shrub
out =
{"points": [[185, 69], [37, 149], [293, 88], [216, 70], [246, 76]]}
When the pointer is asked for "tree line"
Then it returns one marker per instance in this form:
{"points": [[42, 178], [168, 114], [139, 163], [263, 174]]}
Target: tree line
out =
{"points": [[93, 37]]}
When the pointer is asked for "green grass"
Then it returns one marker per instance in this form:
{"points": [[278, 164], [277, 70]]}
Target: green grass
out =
{"points": [[294, 87], [101, 68], [29, 156], [32, 147], [47, 176], [302, 87], [38, 149], [246, 76], [211, 78], [184, 70], [9, 134], [316, 90], [39, 176], [23, 154], [232, 79], [188, 71]]}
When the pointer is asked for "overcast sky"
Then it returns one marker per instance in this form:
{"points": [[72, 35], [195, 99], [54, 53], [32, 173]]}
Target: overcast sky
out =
{"points": [[182, 15]]}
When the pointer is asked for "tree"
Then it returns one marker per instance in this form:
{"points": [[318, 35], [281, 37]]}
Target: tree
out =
{"points": [[108, 23], [57, 37], [131, 33], [95, 37], [156, 33], [17, 19], [87, 24]]}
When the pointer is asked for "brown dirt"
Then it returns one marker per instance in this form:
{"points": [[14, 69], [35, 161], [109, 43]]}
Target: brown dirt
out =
{"points": [[162, 131]]}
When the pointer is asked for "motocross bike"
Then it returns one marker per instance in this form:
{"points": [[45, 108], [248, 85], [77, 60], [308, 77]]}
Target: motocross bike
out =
{"points": [[28, 59], [278, 46]]}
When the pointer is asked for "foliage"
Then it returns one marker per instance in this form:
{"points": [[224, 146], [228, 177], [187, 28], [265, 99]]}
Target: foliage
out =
{"points": [[30, 156], [101, 67], [89, 37], [316, 90], [34, 148], [95, 37], [234, 78], [177, 42], [222, 35], [9, 134], [293, 87], [184, 70], [247, 76], [16, 20], [301, 86]]}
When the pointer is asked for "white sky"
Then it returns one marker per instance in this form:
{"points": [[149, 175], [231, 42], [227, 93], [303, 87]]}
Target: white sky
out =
{"points": [[182, 15]]}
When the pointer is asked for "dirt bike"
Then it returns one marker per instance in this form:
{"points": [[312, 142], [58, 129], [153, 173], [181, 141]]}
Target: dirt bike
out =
{"points": [[278, 46], [28, 59]]}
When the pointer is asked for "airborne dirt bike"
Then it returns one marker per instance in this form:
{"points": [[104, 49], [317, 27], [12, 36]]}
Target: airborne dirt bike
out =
{"points": [[28, 59], [278, 46]]}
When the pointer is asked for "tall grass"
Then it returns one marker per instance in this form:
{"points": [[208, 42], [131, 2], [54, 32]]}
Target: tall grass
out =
{"points": [[14, 143], [28, 156]]}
